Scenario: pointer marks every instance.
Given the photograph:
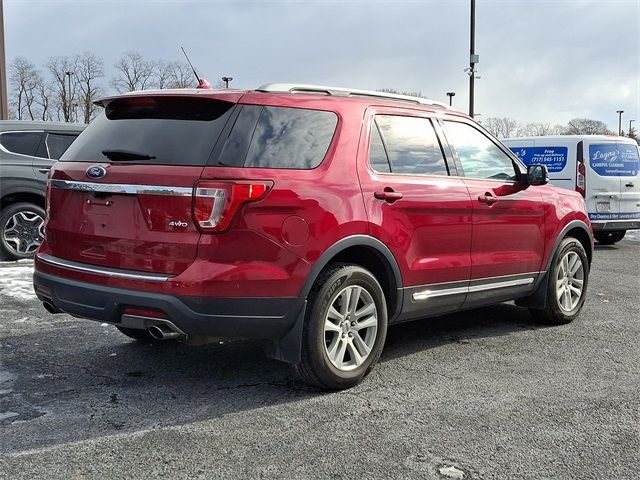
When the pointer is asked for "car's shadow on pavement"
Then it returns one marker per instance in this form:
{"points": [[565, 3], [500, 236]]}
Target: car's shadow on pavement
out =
{"points": [[86, 380]]}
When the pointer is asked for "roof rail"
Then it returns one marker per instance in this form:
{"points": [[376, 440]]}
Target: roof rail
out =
{"points": [[344, 92]]}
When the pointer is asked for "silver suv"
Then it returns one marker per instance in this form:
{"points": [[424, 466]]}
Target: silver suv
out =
{"points": [[28, 149]]}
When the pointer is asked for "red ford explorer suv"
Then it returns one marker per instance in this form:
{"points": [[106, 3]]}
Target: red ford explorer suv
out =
{"points": [[311, 216]]}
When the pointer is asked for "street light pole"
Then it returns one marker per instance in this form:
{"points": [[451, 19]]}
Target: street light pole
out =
{"points": [[226, 81], [630, 122], [619, 112], [4, 101], [68, 74], [472, 57], [451, 95]]}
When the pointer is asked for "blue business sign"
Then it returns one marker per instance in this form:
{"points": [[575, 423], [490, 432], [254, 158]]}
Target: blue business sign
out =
{"points": [[614, 160], [555, 158]]}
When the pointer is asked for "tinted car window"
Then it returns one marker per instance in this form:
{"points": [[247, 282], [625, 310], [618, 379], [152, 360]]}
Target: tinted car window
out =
{"points": [[236, 146], [24, 143], [479, 156], [291, 138], [377, 154], [58, 143], [172, 130], [412, 145]]}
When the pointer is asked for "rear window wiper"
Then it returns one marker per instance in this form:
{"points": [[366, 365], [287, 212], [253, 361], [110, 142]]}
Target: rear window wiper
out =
{"points": [[125, 155]]}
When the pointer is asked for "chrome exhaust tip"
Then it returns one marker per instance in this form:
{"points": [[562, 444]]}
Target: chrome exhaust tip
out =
{"points": [[163, 332], [49, 307]]}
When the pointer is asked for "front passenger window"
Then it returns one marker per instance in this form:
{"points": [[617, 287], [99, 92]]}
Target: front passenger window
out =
{"points": [[479, 156]]}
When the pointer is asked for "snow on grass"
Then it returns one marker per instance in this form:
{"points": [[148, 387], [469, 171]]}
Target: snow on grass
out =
{"points": [[16, 279], [633, 235]]}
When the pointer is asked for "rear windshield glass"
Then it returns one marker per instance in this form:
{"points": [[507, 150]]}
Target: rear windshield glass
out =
{"points": [[153, 130]]}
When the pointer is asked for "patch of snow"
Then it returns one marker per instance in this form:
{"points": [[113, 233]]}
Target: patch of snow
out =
{"points": [[17, 282], [633, 235], [451, 472], [5, 415]]}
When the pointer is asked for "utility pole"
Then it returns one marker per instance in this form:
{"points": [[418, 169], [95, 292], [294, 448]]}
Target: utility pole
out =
{"points": [[4, 101], [630, 122], [619, 112], [451, 95], [226, 81], [473, 58]]}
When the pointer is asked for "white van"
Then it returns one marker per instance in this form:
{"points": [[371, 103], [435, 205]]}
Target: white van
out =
{"points": [[604, 169]]}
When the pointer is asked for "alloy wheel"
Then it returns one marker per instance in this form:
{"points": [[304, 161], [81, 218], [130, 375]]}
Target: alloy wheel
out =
{"points": [[569, 281], [23, 232], [350, 328]]}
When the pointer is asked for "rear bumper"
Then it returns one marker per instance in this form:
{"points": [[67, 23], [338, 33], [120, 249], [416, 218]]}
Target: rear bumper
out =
{"points": [[616, 225], [255, 317]]}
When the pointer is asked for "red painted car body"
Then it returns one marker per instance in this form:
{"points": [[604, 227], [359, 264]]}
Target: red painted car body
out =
{"points": [[108, 253]]}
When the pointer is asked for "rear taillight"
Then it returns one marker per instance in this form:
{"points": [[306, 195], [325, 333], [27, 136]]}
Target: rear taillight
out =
{"points": [[581, 182], [217, 203]]}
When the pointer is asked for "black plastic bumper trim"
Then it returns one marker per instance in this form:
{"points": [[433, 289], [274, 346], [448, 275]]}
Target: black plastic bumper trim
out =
{"points": [[253, 317]]}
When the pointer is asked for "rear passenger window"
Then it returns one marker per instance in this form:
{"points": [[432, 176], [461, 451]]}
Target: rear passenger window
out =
{"points": [[24, 143], [290, 138], [411, 145], [58, 143], [479, 156]]}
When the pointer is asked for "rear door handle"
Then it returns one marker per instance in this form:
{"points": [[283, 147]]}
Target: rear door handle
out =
{"points": [[388, 195], [630, 185], [44, 170], [487, 199]]}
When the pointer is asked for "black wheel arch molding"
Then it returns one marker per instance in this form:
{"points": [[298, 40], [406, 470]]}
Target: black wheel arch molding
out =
{"points": [[538, 299], [288, 347], [366, 241]]}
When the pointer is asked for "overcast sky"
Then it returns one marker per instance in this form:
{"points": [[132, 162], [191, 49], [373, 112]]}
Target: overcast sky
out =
{"points": [[540, 61]]}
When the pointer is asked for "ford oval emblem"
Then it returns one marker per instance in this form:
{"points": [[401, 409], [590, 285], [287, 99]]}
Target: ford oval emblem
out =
{"points": [[96, 171]]}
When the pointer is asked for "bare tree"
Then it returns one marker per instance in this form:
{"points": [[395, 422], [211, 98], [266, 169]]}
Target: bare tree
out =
{"points": [[181, 75], [89, 68], [400, 92], [135, 73], [64, 78], [587, 126], [539, 129], [24, 78], [503, 127], [43, 99], [162, 74], [173, 75]]}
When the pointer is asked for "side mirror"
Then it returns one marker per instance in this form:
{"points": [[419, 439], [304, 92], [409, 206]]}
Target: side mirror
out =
{"points": [[537, 175]]}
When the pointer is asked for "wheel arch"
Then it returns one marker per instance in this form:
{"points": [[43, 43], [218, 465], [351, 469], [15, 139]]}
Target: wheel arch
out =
{"points": [[576, 229], [35, 197], [369, 253]]}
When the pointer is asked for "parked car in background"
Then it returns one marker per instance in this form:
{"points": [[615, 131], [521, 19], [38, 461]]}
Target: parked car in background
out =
{"points": [[28, 149], [310, 216], [604, 169]]}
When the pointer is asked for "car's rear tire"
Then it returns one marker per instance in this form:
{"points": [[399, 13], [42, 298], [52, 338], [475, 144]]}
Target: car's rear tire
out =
{"points": [[21, 230], [567, 284], [609, 238], [344, 329], [137, 334]]}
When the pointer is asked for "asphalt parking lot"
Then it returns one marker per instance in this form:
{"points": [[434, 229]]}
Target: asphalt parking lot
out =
{"points": [[482, 394]]}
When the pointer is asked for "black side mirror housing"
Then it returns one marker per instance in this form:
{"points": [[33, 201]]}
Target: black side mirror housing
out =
{"points": [[537, 175]]}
